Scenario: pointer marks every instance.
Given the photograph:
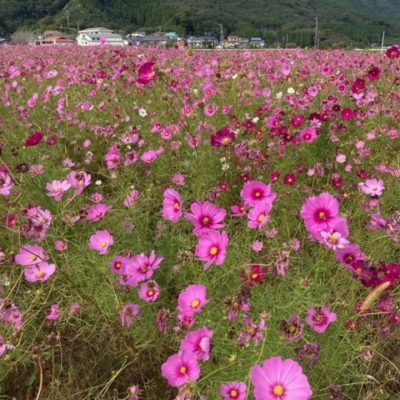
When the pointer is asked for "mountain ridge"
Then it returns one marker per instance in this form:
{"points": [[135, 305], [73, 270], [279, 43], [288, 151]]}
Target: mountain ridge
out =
{"points": [[341, 21]]}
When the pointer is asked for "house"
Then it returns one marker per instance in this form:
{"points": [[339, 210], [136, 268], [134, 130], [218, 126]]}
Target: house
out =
{"points": [[157, 41], [236, 42], [202, 41], [2, 41], [54, 38], [98, 36], [256, 42]]}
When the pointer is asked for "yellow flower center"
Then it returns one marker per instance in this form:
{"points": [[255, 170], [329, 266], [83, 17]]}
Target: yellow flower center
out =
{"points": [[254, 276], [322, 215], [117, 265], [41, 274], [257, 194], [214, 251], [150, 293], [261, 217], [206, 221], [234, 393], [196, 303], [279, 390], [183, 370], [177, 206], [226, 140], [103, 244]]}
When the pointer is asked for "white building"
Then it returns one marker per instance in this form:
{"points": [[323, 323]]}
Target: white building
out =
{"points": [[98, 36]]}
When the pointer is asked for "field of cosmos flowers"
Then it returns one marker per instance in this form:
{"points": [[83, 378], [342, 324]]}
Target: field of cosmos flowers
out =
{"points": [[199, 225]]}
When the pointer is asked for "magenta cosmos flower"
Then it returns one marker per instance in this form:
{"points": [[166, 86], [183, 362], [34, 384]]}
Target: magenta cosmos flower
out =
{"points": [[308, 135], [212, 248], [205, 217], [280, 379], [39, 272], [192, 300], [233, 391], [224, 137], [259, 216], [101, 241], [320, 213], [198, 343], [147, 73], [142, 267], [255, 192], [180, 369], [172, 206], [319, 320]]}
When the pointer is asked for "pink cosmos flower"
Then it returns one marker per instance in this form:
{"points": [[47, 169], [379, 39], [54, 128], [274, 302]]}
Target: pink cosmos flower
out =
{"points": [[147, 73], [149, 291], [97, 212], [238, 210], [318, 212], [319, 320], [6, 184], [172, 206], [30, 255], [280, 379], [372, 187], [57, 189], [39, 272], [113, 157], [142, 267], [308, 135], [198, 343], [212, 248], [149, 156], [350, 254], [118, 265], [259, 216], [60, 245], [5, 347], [256, 192], [233, 391], [132, 198], [180, 369], [128, 314], [205, 217], [178, 179], [192, 300], [54, 314], [101, 241], [79, 181], [334, 240]]}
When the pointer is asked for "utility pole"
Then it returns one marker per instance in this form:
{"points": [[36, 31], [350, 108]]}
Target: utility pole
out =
{"points": [[68, 19], [316, 33], [383, 42], [221, 35]]}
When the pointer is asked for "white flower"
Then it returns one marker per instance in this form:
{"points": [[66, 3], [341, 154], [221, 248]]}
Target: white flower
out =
{"points": [[255, 120], [142, 112], [291, 91], [98, 182], [279, 95], [225, 167], [235, 76]]}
